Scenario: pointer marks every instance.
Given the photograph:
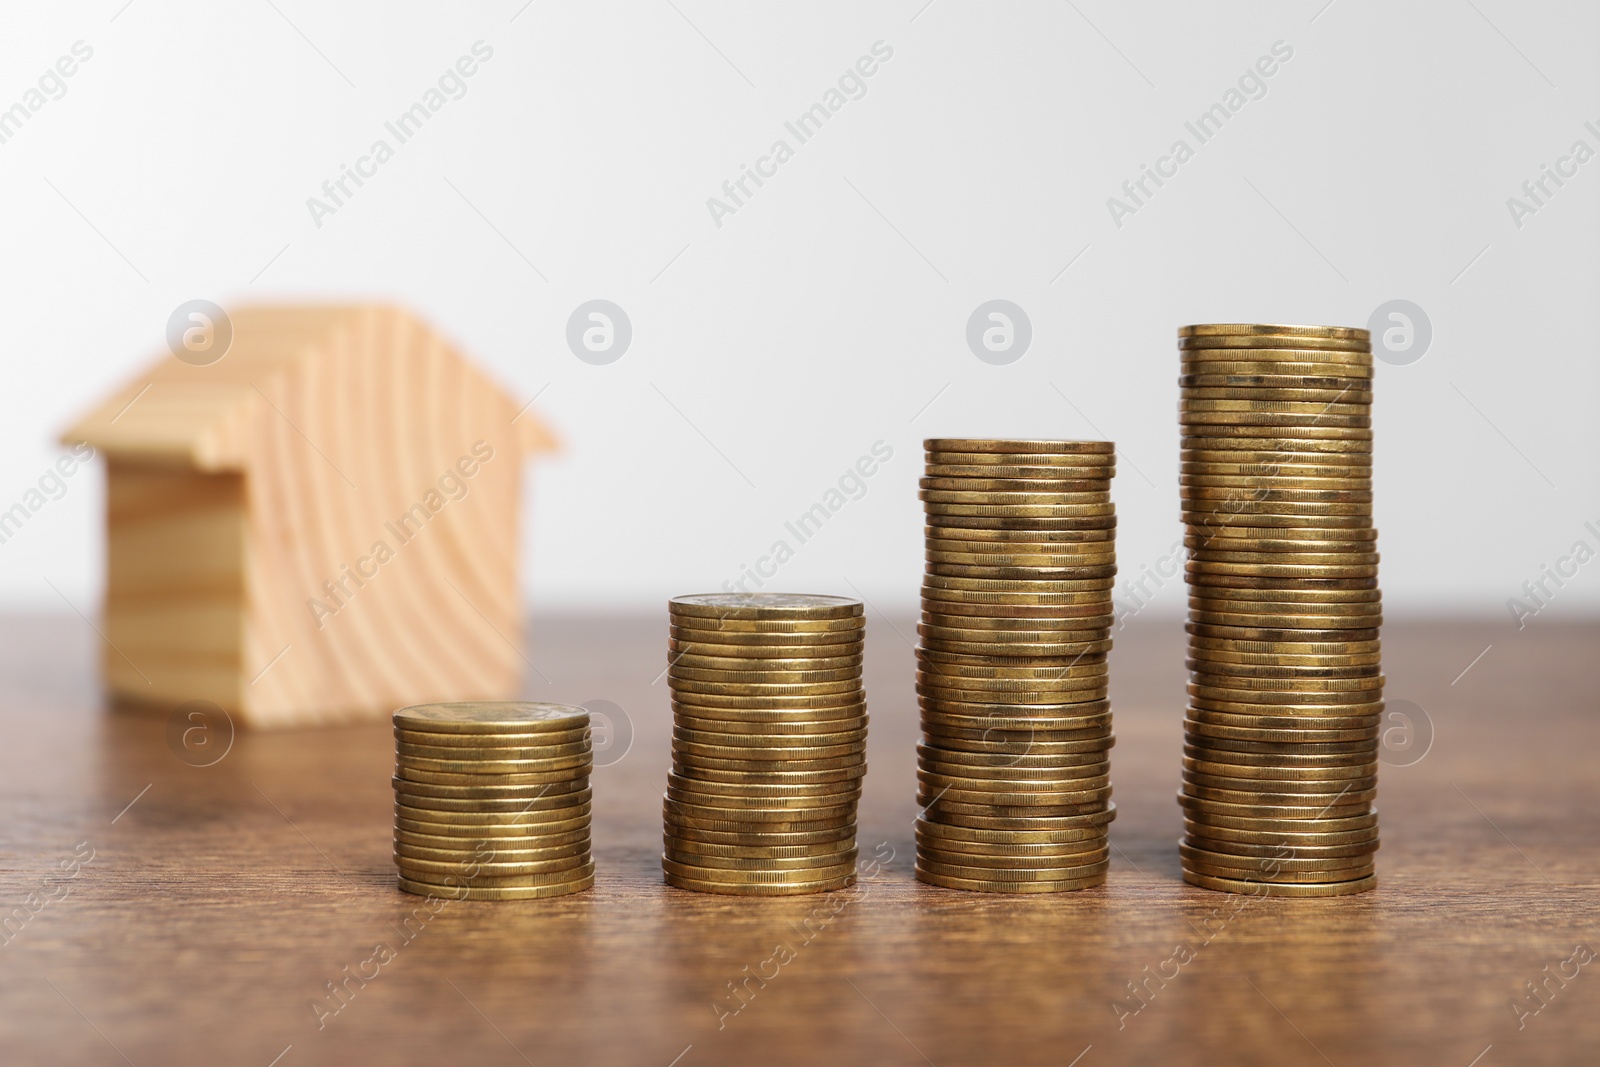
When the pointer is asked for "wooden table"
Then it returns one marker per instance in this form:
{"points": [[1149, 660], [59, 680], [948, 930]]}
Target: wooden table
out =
{"points": [[221, 900]]}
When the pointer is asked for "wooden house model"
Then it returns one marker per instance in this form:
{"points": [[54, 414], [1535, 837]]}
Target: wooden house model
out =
{"points": [[319, 526]]}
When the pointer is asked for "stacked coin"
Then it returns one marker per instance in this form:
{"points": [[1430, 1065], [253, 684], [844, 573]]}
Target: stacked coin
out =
{"points": [[1286, 690], [769, 743], [1013, 769], [491, 800]]}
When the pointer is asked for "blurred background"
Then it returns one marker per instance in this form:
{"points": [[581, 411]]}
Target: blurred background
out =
{"points": [[1356, 155]]}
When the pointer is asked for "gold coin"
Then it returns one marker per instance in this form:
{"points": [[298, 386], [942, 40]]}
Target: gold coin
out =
{"points": [[1021, 524], [1100, 465], [1095, 818], [792, 792], [999, 655], [740, 776], [493, 852], [807, 643], [1228, 750], [761, 664], [703, 703], [790, 744], [1200, 644], [1219, 838], [1093, 539], [849, 684], [799, 729], [852, 743], [1015, 690], [1239, 515], [827, 851], [1266, 346], [1013, 874], [769, 680], [1261, 802], [1209, 818], [1065, 715], [467, 892], [1338, 397], [956, 758], [1289, 867], [1055, 554], [764, 606], [515, 792], [1326, 853], [1282, 635], [498, 808], [692, 835], [1036, 785], [1210, 733], [1243, 365], [779, 889], [1350, 334], [1207, 665], [961, 838], [1008, 573], [479, 769], [1284, 771], [1299, 684], [940, 587], [1012, 803], [941, 667], [757, 877], [1267, 889], [413, 775], [792, 630], [553, 742], [490, 717], [1072, 479], [1027, 778], [465, 843], [681, 817], [1064, 652], [1012, 498], [1255, 604], [991, 483], [562, 868], [517, 881], [996, 446], [1085, 594], [461, 754], [1001, 509], [1290, 719], [1342, 701], [1328, 445], [725, 866], [1007, 864], [1230, 465], [1272, 384], [580, 820], [973, 885]]}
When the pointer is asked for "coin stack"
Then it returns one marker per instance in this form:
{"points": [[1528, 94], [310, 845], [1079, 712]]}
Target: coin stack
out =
{"points": [[1285, 692], [491, 800], [769, 743], [1013, 770]]}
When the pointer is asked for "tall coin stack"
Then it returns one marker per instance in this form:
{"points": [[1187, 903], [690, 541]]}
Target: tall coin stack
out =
{"points": [[491, 800], [1013, 770], [1285, 690], [769, 743]]}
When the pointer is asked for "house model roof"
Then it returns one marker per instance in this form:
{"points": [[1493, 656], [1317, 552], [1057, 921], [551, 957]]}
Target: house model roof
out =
{"points": [[202, 416]]}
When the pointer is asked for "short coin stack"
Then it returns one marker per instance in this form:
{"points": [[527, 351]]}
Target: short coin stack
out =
{"points": [[1013, 770], [769, 743], [491, 800], [1280, 762]]}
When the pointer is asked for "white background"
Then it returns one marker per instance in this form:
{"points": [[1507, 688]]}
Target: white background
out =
{"points": [[830, 311]]}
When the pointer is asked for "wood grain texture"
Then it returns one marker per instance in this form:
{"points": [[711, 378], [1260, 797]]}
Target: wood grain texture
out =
{"points": [[381, 478], [217, 907]]}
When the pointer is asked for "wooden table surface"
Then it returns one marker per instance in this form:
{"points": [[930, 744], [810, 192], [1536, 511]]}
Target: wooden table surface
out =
{"points": [[219, 901]]}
